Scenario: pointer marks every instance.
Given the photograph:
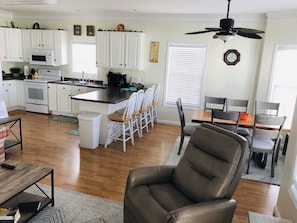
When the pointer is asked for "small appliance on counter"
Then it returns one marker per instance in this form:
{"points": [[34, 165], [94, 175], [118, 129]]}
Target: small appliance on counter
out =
{"points": [[117, 79]]}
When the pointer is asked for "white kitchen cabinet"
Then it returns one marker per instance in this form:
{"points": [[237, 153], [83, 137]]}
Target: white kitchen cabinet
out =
{"points": [[14, 49], [11, 45], [60, 47], [64, 98], [26, 38], [9, 94], [42, 39], [3, 55], [20, 94], [102, 44], [75, 90], [125, 50], [52, 97]]}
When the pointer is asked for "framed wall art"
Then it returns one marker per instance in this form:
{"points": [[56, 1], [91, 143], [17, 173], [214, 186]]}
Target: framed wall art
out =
{"points": [[77, 30], [90, 30], [154, 52]]}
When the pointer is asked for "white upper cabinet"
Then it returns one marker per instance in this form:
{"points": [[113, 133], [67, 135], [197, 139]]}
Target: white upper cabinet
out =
{"points": [[11, 45], [120, 50], [3, 55], [26, 36], [60, 47], [42, 39], [134, 55], [102, 44]]}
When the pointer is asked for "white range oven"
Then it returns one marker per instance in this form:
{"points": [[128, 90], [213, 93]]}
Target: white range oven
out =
{"points": [[36, 90]]}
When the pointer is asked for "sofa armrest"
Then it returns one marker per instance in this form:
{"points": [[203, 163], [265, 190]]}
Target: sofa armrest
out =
{"points": [[219, 211], [149, 175]]}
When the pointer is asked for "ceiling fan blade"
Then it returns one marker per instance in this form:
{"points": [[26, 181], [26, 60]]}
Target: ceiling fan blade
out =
{"points": [[247, 30], [199, 32], [249, 35], [214, 29]]}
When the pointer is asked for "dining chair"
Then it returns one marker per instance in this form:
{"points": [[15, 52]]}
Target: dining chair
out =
{"points": [[266, 108], [226, 119], [186, 129], [136, 114], [155, 103], [145, 111], [240, 106], [120, 123], [265, 138], [214, 103]]}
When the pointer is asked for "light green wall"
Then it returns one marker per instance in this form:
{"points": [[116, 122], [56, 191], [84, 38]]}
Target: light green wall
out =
{"points": [[221, 80]]}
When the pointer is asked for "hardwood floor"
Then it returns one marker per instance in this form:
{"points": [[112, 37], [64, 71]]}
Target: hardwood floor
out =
{"points": [[102, 172]]}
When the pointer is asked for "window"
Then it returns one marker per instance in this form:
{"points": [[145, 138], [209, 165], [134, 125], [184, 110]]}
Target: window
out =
{"points": [[283, 85], [185, 74], [84, 58]]}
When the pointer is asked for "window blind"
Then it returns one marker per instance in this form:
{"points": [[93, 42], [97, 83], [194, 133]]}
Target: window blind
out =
{"points": [[185, 74]]}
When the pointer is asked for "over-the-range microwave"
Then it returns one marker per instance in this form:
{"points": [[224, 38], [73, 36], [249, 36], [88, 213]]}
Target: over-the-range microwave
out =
{"points": [[42, 57]]}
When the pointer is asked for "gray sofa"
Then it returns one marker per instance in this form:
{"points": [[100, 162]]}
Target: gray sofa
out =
{"points": [[198, 189]]}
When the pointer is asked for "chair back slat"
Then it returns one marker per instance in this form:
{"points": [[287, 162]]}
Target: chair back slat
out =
{"points": [[266, 108], [236, 105], [227, 120], [214, 103]]}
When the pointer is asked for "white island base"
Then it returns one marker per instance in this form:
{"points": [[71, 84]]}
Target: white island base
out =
{"points": [[104, 109]]}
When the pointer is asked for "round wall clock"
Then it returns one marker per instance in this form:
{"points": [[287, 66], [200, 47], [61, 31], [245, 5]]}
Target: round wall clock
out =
{"points": [[231, 57]]}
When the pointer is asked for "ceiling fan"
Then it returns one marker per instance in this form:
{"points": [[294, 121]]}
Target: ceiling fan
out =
{"points": [[227, 30]]}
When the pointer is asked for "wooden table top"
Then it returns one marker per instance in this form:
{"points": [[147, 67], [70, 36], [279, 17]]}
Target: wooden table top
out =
{"points": [[200, 116], [17, 180]]}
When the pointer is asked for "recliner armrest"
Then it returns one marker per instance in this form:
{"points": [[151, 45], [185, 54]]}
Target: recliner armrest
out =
{"points": [[149, 175], [219, 211]]}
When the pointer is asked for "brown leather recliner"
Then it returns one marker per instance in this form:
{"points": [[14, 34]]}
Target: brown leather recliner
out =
{"points": [[198, 189]]}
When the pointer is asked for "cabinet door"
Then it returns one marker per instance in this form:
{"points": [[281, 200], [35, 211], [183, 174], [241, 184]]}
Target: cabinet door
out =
{"points": [[117, 47], [42, 39], [52, 97], [26, 44], [20, 93], [64, 98], [134, 51], [3, 55], [14, 45], [102, 44], [75, 90], [9, 95], [60, 47]]}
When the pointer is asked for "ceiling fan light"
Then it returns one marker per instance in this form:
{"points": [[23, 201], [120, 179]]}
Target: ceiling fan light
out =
{"points": [[225, 38]]}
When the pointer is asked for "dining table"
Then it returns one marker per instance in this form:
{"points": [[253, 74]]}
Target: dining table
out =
{"points": [[201, 115], [246, 120]]}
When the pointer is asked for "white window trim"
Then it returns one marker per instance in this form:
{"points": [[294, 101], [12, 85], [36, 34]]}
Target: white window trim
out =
{"points": [[173, 104]]}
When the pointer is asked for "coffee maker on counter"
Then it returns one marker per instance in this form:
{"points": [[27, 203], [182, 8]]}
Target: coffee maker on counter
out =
{"points": [[117, 79]]}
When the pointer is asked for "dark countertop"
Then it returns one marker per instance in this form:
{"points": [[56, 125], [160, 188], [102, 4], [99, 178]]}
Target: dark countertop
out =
{"points": [[75, 82], [110, 95]]}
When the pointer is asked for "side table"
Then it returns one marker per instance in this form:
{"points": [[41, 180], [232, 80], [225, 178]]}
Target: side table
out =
{"points": [[17, 137], [261, 218]]}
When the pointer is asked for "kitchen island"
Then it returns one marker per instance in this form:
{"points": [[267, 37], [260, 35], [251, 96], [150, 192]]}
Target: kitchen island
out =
{"points": [[103, 101]]}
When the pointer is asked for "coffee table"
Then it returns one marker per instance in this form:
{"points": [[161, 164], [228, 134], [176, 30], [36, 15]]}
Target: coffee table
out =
{"points": [[13, 184]]}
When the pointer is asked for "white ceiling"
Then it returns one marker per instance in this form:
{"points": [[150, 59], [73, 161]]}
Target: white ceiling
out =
{"points": [[151, 7]]}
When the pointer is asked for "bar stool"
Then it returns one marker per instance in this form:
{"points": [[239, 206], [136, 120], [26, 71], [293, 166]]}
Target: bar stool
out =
{"points": [[120, 125]]}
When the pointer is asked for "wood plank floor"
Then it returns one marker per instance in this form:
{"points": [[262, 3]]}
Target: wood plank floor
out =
{"points": [[102, 172]]}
